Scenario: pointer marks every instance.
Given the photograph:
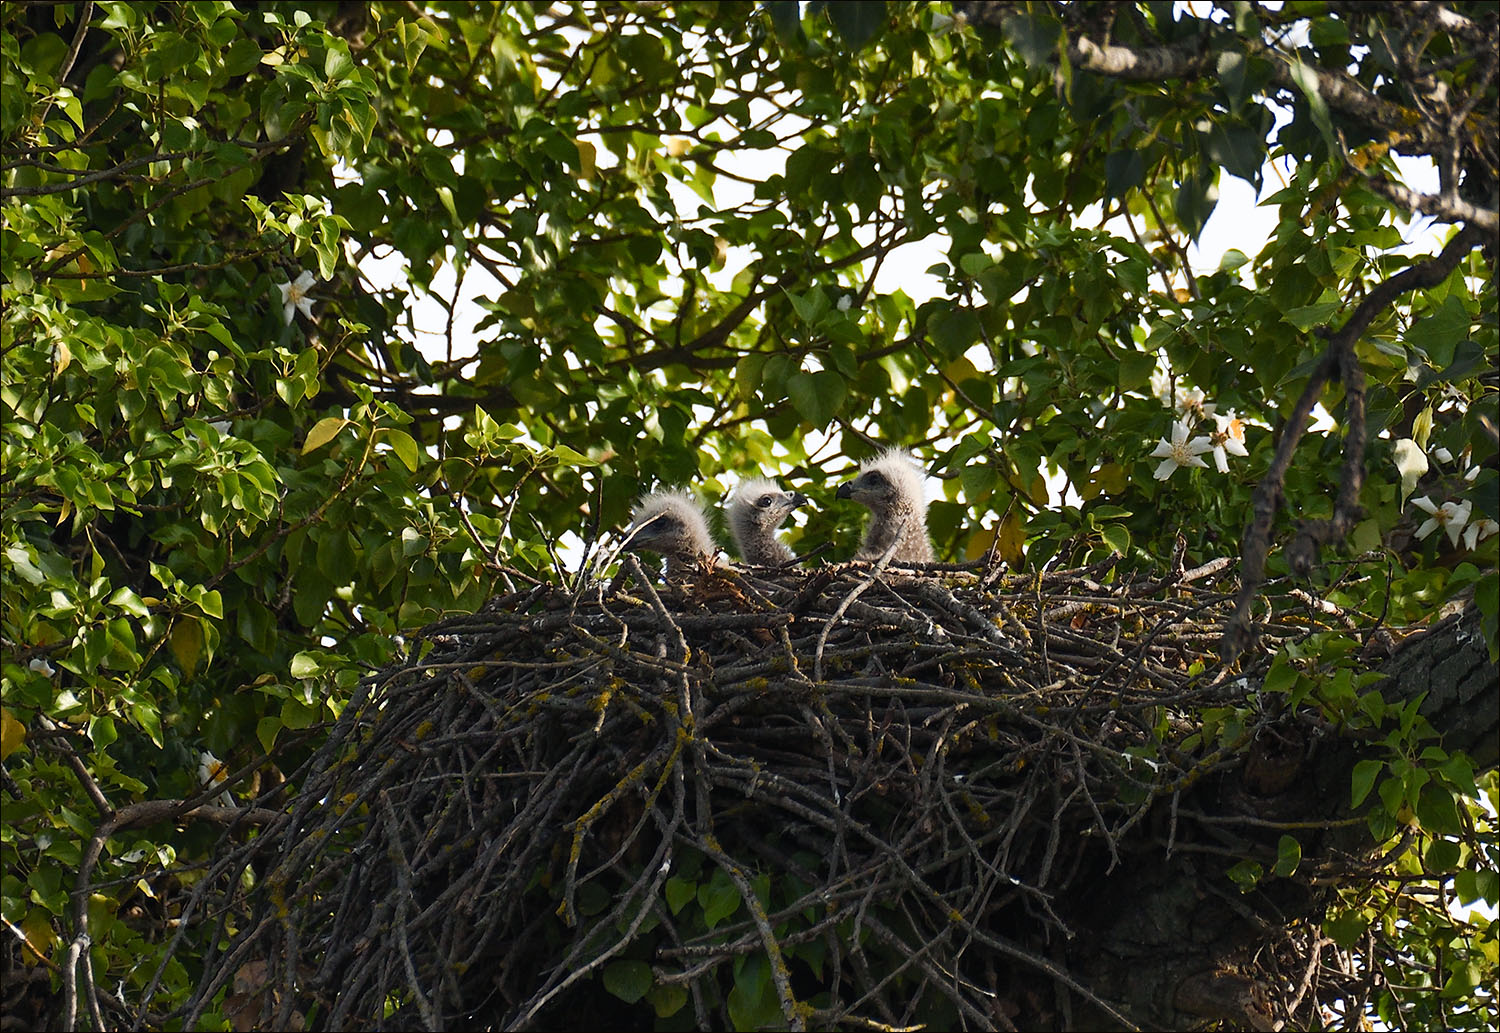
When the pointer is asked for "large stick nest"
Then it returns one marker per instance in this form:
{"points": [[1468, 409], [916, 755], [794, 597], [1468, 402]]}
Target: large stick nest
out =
{"points": [[838, 799]]}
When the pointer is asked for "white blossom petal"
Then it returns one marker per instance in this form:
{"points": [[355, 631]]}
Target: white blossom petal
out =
{"points": [[1458, 516], [294, 296], [1479, 530], [1411, 463], [1425, 504], [1427, 528]]}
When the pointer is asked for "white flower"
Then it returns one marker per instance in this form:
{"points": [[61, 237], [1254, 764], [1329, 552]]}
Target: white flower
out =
{"points": [[42, 667], [845, 302], [1450, 516], [1442, 455], [1479, 530], [1192, 403], [1227, 440], [1179, 451], [1411, 463], [212, 771], [294, 296]]}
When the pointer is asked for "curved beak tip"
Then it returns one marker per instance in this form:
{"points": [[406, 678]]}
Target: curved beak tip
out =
{"points": [[845, 491]]}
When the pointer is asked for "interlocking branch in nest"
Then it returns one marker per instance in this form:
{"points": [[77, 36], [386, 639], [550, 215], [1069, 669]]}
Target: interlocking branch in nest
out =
{"points": [[648, 791]]}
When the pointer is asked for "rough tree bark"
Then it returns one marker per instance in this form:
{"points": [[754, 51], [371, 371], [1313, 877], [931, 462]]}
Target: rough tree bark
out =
{"points": [[1173, 932]]}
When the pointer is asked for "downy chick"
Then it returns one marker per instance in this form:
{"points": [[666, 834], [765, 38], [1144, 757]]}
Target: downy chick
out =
{"points": [[671, 524], [756, 510], [890, 486]]}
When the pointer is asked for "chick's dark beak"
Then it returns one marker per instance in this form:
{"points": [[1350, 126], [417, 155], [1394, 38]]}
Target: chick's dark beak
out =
{"points": [[799, 499], [846, 490]]}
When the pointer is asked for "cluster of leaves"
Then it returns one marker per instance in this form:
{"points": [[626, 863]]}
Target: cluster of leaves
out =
{"points": [[216, 516]]}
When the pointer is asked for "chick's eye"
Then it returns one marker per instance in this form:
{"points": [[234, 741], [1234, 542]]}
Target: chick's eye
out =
{"points": [[873, 479], [765, 502]]}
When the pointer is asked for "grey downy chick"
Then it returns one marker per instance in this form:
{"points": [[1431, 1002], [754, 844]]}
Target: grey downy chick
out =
{"points": [[671, 524], [890, 487], [757, 508]]}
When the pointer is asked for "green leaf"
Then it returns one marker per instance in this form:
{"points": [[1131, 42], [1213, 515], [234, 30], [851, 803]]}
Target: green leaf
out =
{"points": [[1232, 259], [679, 892], [1281, 677], [817, 396], [305, 665], [404, 446], [1306, 80], [1306, 317], [627, 980], [1346, 929], [1442, 856], [1117, 537], [128, 601], [1135, 371], [297, 715], [337, 63], [809, 306], [1288, 856], [1197, 197], [1035, 37], [265, 731], [858, 21], [1363, 780], [786, 17], [1246, 875], [667, 999], [718, 898], [1437, 810], [1124, 171], [753, 1003], [102, 731], [21, 562]]}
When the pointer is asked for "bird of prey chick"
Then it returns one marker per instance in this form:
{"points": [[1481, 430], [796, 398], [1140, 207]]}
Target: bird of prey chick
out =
{"points": [[756, 510], [670, 524], [890, 486]]}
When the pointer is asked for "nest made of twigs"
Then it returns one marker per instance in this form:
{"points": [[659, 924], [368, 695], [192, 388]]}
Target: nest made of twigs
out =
{"points": [[838, 799]]}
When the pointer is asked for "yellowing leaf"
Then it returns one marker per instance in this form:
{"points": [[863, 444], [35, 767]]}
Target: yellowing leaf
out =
{"points": [[324, 431], [12, 734], [186, 643], [587, 154], [40, 936], [1012, 537], [979, 543]]}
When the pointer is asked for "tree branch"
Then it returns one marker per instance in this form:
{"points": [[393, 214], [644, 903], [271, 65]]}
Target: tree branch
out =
{"points": [[1338, 358]]}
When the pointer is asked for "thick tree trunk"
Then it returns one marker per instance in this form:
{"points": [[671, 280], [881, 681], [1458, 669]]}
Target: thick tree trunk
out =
{"points": [[1173, 937]]}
